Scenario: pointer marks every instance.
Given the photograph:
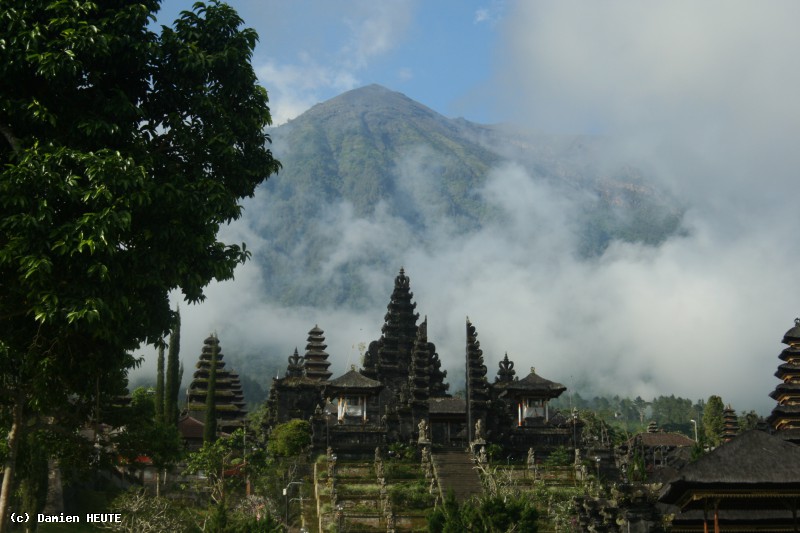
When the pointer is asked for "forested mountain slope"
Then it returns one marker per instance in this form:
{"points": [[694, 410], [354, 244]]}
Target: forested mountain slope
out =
{"points": [[371, 174]]}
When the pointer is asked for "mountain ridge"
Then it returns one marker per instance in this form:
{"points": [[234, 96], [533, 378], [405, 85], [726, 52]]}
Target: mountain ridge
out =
{"points": [[374, 157]]}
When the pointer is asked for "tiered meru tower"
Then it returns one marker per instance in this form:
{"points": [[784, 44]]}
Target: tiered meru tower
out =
{"points": [[730, 424], [419, 375], [389, 358], [477, 384], [299, 393], [785, 417], [316, 359], [230, 411]]}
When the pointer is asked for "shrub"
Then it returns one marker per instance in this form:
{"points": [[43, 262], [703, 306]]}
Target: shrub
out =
{"points": [[410, 496], [289, 438]]}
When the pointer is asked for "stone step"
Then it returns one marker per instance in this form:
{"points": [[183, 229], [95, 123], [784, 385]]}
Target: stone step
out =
{"points": [[457, 472]]}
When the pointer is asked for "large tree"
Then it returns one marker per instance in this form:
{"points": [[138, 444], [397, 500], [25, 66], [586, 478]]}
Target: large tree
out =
{"points": [[122, 151]]}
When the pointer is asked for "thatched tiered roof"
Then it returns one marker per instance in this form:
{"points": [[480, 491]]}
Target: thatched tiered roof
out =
{"points": [[752, 466]]}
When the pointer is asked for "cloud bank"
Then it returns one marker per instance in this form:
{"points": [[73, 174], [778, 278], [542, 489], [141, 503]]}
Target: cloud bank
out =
{"points": [[701, 96], [705, 96]]}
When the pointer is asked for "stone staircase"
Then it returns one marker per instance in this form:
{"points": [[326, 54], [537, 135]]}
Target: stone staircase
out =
{"points": [[456, 471]]}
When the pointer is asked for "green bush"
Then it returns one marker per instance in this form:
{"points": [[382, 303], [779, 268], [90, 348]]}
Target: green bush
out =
{"points": [[559, 457], [401, 471], [489, 514], [251, 524], [289, 438], [405, 452], [410, 496]]}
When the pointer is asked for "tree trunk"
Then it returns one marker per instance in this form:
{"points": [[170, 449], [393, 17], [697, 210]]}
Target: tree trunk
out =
{"points": [[14, 435]]}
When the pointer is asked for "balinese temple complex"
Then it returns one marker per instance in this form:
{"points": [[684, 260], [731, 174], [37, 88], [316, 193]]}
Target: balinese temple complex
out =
{"points": [[400, 394], [750, 482]]}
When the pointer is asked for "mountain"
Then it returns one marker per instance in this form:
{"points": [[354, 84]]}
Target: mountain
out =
{"points": [[350, 147], [371, 174]]}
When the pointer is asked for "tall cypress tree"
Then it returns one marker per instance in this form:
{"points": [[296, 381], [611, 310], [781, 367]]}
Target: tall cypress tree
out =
{"points": [[714, 420], [173, 380], [210, 428], [160, 402]]}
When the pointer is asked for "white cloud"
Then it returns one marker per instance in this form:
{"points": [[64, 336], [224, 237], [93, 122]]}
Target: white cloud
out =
{"points": [[375, 29], [357, 34], [293, 89], [405, 74], [705, 95], [490, 14]]}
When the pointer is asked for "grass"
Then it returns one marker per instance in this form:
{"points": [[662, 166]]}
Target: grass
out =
{"points": [[358, 488]]}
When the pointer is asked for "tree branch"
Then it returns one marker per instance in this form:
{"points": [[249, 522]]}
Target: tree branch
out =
{"points": [[13, 141]]}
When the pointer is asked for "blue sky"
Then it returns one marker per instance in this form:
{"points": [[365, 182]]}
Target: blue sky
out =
{"points": [[438, 53]]}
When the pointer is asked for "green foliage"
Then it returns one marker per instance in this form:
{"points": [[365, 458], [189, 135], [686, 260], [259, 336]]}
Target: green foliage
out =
{"points": [[267, 523], [561, 456], [218, 518], [698, 450], [401, 470], [623, 417], [672, 410], [713, 420], [145, 435], [254, 514], [140, 512], [558, 505], [214, 458], [500, 515], [410, 495], [492, 514], [494, 451], [638, 469], [159, 399], [447, 518], [596, 430], [402, 451], [290, 438], [748, 420]]}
